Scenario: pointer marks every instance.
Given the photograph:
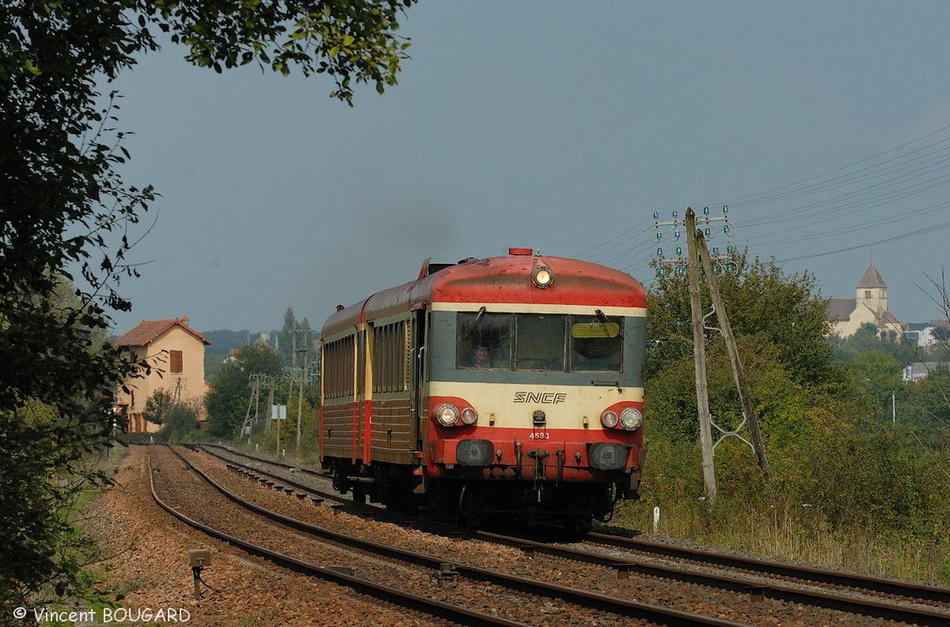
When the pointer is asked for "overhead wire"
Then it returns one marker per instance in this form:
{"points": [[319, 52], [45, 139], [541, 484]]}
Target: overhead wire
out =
{"points": [[836, 195]]}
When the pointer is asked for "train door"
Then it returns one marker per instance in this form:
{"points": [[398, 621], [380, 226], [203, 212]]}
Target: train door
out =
{"points": [[419, 389]]}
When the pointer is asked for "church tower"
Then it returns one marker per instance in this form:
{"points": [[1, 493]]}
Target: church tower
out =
{"points": [[871, 291]]}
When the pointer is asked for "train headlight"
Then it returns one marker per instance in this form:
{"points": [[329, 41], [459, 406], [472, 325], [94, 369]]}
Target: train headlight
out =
{"points": [[631, 418], [469, 416], [609, 419], [542, 277], [447, 415]]}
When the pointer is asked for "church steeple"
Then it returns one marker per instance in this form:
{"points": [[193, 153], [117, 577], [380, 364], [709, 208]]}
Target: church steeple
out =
{"points": [[871, 291]]}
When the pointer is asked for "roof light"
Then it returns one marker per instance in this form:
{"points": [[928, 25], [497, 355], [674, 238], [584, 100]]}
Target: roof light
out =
{"points": [[542, 277]]}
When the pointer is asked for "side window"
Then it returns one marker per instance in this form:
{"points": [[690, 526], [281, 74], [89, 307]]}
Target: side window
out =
{"points": [[390, 359], [540, 342], [483, 340], [596, 344], [338, 366]]}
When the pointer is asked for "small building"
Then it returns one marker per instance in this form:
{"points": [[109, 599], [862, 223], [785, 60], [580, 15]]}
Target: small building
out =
{"points": [[920, 370], [175, 354], [927, 334], [869, 306]]}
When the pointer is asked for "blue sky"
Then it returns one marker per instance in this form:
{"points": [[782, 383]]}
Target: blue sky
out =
{"points": [[560, 126]]}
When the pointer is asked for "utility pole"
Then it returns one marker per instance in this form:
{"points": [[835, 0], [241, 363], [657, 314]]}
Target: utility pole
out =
{"points": [[738, 374], [699, 360], [303, 378], [270, 403]]}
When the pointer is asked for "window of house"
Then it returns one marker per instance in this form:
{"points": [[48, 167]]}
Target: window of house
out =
{"points": [[175, 360]]}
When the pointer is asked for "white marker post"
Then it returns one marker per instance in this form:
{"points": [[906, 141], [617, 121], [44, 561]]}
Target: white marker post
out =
{"points": [[278, 412]]}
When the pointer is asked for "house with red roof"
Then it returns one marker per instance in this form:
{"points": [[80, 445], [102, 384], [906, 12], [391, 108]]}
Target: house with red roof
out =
{"points": [[175, 354]]}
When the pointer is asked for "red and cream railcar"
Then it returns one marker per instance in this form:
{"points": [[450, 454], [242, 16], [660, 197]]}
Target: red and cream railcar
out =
{"points": [[509, 385]]}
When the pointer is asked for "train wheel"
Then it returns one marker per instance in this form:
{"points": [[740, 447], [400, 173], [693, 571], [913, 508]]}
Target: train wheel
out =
{"points": [[468, 512]]}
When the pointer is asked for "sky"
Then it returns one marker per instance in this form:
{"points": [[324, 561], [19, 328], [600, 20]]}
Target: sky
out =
{"points": [[824, 127]]}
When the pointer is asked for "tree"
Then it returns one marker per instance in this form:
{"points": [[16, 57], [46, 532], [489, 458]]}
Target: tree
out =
{"points": [[293, 334], [65, 208], [158, 406], [227, 400], [879, 375], [763, 303], [56, 389], [779, 324], [866, 339], [180, 421]]}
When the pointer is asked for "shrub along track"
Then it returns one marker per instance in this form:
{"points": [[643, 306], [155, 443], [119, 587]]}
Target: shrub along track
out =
{"points": [[610, 572]]}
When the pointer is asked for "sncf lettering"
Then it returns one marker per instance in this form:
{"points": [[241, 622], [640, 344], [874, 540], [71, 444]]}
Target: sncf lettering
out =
{"points": [[541, 398]]}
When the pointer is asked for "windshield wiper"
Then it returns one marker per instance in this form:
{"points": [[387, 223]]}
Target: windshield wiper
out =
{"points": [[603, 318], [478, 317]]}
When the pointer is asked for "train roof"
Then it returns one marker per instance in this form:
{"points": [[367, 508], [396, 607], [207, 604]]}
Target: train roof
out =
{"points": [[507, 279]]}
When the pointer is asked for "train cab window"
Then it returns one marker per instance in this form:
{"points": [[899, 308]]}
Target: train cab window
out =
{"points": [[539, 343], [596, 343], [483, 340]]}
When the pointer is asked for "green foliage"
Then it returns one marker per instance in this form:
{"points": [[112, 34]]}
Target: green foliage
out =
{"points": [[348, 41], [157, 407], [181, 423], [779, 325], [865, 340], [878, 375], [64, 207], [925, 407], [294, 335], [882, 479], [763, 304], [844, 486], [227, 400]]}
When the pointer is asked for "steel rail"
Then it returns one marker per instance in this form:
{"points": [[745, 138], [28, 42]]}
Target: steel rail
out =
{"points": [[289, 482], [582, 598], [853, 580], [432, 607], [877, 608]]}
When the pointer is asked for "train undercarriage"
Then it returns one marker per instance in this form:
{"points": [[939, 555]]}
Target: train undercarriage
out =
{"points": [[477, 502]]}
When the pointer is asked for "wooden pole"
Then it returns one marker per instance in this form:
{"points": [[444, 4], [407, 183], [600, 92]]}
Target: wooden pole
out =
{"points": [[738, 374], [699, 361]]}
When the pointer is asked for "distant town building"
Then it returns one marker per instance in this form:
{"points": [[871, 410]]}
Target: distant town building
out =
{"points": [[918, 370], [869, 306], [176, 355], [927, 334]]}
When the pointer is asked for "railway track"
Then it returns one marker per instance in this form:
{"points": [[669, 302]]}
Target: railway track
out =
{"points": [[602, 606], [885, 599]]}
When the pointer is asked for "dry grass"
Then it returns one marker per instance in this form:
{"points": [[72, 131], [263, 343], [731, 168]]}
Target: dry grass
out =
{"points": [[794, 532]]}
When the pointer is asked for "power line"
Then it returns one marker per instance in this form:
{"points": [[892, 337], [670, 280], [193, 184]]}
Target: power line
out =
{"points": [[842, 196]]}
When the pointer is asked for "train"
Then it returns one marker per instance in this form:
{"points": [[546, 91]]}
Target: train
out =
{"points": [[501, 388]]}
